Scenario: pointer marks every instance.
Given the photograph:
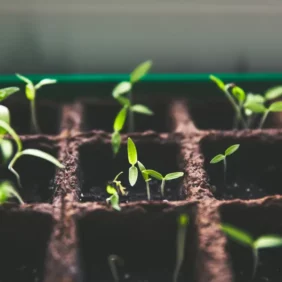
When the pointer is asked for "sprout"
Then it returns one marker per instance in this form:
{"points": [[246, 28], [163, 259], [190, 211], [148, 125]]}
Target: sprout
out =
{"points": [[20, 152], [146, 178], [7, 191], [169, 176], [182, 221], [113, 261], [218, 158], [30, 91], [245, 239], [132, 159]]}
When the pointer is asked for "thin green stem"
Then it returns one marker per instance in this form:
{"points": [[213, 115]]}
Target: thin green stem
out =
{"points": [[162, 187], [224, 170], [256, 257], [131, 124], [263, 119], [10, 167], [148, 190], [34, 124]]}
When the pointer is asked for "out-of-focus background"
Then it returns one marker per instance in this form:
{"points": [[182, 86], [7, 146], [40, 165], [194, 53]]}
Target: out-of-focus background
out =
{"points": [[67, 36]]}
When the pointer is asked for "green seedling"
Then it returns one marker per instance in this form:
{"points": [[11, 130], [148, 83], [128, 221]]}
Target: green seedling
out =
{"points": [[114, 198], [183, 221], [132, 159], [244, 238], [7, 191], [114, 261], [30, 91], [146, 178], [218, 158], [20, 152], [169, 176]]}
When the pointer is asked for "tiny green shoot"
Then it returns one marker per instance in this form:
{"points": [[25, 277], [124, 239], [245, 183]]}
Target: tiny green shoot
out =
{"points": [[114, 261], [169, 176], [30, 91], [114, 198], [146, 178], [183, 221], [7, 191], [132, 159], [218, 158], [244, 238]]}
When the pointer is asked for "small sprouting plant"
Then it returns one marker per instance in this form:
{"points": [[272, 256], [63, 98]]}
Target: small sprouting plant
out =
{"points": [[132, 159], [169, 176], [30, 91], [183, 221], [146, 179], [218, 158], [7, 191], [244, 238], [114, 261], [20, 152]]}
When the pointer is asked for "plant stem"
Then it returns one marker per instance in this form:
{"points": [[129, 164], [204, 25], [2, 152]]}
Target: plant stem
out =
{"points": [[162, 187], [255, 255], [112, 259], [34, 124], [148, 190], [224, 170], [263, 119], [131, 124]]}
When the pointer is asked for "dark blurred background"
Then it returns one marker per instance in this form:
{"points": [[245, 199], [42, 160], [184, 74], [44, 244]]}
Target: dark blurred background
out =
{"points": [[67, 36]]}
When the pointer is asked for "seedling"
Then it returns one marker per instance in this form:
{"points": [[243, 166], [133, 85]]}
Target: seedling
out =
{"points": [[30, 91], [114, 261], [20, 152], [7, 191], [146, 178], [169, 176], [218, 158], [114, 199], [182, 221], [117, 183], [244, 238], [132, 159]]}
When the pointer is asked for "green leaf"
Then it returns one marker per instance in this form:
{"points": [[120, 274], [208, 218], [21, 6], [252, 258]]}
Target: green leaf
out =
{"points": [[133, 175], [273, 93], [6, 92], [173, 175], [131, 152], [268, 241], [140, 71], [232, 149], [24, 79], [4, 116], [111, 190], [255, 98], [217, 159], [123, 101], [7, 149], [30, 92], [183, 219], [141, 109], [120, 119], [42, 155], [11, 131], [275, 107], [238, 235], [218, 82], [115, 202], [122, 88], [7, 190], [239, 94], [255, 107], [142, 168], [116, 141], [45, 81], [154, 174]]}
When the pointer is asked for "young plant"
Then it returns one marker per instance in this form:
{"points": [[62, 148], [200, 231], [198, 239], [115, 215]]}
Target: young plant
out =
{"points": [[245, 239], [20, 152], [146, 178], [218, 158], [30, 91], [132, 159], [7, 191], [169, 176], [114, 198], [182, 221], [114, 261]]}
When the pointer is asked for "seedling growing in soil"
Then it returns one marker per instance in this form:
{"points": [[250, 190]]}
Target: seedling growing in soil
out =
{"points": [[114, 261], [20, 152], [7, 191], [169, 176], [30, 91], [218, 158], [245, 239], [132, 159], [146, 178], [182, 221]]}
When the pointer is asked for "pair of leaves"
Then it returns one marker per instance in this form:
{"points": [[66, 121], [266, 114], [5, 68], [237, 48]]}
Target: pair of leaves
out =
{"points": [[169, 176], [132, 159], [7, 191], [229, 151], [260, 108]]}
